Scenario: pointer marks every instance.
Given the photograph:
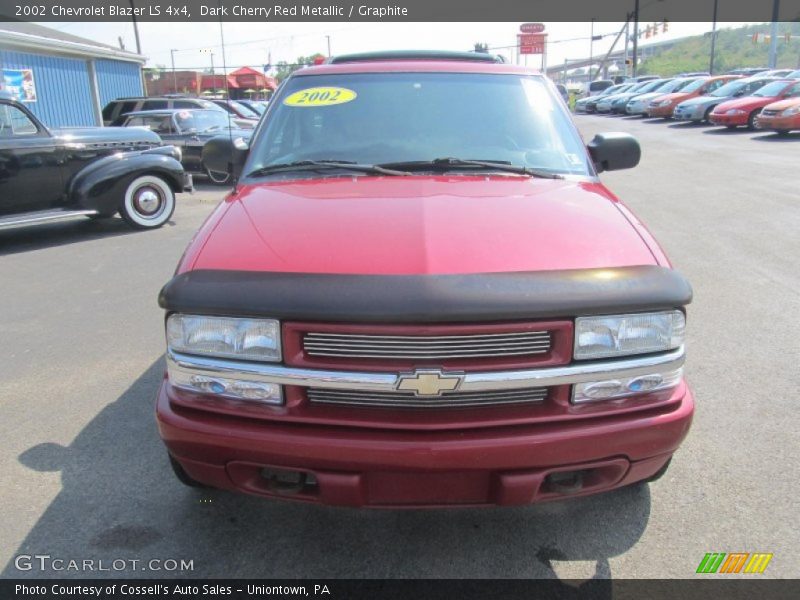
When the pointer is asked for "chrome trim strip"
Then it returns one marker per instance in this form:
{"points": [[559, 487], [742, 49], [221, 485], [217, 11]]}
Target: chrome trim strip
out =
{"points": [[41, 217], [387, 382]]}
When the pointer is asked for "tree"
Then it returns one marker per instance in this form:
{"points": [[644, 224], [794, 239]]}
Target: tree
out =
{"points": [[284, 69]]}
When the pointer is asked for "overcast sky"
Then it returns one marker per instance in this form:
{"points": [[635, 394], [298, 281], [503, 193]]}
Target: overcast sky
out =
{"points": [[252, 43]]}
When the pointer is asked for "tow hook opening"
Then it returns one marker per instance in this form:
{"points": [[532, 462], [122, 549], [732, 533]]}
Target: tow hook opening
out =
{"points": [[289, 482], [565, 482]]}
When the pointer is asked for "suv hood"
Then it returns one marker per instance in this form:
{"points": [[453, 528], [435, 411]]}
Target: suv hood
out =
{"points": [[420, 225]]}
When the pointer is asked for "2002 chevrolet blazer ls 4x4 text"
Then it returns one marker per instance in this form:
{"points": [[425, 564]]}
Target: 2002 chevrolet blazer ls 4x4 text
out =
{"points": [[420, 294]]}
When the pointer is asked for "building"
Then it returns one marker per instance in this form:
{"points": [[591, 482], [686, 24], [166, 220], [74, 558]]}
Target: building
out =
{"points": [[64, 79], [241, 83]]}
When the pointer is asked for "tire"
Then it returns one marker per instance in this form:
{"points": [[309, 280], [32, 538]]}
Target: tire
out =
{"points": [[707, 116], [183, 476], [660, 473], [148, 203], [214, 177], [751, 120], [731, 127], [782, 132]]}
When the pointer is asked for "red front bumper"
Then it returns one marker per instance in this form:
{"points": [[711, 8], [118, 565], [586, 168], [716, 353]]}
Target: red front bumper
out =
{"points": [[728, 120], [358, 467]]}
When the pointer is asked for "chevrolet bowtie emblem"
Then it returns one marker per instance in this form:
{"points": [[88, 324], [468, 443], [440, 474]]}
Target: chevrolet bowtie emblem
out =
{"points": [[429, 382]]}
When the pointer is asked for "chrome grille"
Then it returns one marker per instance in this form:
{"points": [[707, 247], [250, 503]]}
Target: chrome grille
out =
{"points": [[422, 347], [409, 400]]}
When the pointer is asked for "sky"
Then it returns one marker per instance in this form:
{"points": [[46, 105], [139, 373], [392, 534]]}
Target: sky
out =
{"points": [[254, 44]]}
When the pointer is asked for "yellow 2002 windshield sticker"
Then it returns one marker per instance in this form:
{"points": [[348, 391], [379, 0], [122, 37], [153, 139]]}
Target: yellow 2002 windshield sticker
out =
{"points": [[320, 96]]}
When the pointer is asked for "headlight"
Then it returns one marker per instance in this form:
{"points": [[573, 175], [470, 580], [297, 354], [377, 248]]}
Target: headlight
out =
{"points": [[789, 112], [622, 335], [225, 337]]}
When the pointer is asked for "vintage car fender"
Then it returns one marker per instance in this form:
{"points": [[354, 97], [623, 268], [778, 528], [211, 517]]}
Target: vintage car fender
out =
{"points": [[101, 185]]}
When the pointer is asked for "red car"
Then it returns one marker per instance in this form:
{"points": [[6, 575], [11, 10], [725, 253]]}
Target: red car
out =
{"points": [[410, 299], [782, 116], [745, 111], [663, 106]]}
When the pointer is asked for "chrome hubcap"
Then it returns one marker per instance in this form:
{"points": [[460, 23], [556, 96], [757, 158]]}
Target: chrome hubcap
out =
{"points": [[147, 201]]}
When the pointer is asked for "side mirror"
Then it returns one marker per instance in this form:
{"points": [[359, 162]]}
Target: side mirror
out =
{"points": [[224, 154], [613, 151]]}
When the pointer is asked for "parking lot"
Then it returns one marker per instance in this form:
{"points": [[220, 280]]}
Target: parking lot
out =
{"points": [[86, 475]]}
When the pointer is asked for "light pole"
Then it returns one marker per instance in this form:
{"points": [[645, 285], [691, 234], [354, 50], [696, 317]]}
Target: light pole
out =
{"points": [[174, 76], [636, 38], [329, 45], [591, 49], [773, 38]]}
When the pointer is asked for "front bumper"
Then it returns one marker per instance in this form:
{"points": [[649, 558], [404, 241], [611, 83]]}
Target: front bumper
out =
{"points": [[778, 123], [356, 466], [728, 120], [687, 114], [663, 112]]}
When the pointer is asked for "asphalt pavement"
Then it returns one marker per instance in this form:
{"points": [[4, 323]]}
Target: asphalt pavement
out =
{"points": [[85, 476]]}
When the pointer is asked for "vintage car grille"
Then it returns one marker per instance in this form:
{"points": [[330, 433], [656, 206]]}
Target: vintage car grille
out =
{"points": [[409, 400], [769, 113], [413, 347]]}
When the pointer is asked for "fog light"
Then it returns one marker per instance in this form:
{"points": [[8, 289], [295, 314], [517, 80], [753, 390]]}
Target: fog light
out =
{"points": [[268, 393], [593, 391]]}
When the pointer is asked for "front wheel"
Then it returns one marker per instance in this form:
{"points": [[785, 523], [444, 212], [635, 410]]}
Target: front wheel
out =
{"points": [[752, 120], [149, 202]]}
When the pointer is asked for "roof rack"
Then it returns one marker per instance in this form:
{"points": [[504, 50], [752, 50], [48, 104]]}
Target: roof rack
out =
{"points": [[415, 55]]}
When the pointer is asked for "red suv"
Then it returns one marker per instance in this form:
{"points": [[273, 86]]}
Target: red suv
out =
{"points": [[419, 293]]}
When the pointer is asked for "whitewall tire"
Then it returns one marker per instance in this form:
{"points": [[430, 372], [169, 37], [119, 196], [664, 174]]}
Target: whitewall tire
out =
{"points": [[149, 202]]}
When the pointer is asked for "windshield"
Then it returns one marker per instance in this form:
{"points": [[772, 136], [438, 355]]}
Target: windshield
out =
{"points": [[771, 89], [201, 120], [255, 106], [375, 118], [244, 110], [694, 86], [729, 89], [652, 85]]}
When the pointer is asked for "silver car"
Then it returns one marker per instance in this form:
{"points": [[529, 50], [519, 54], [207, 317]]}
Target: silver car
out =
{"points": [[699, 109]]}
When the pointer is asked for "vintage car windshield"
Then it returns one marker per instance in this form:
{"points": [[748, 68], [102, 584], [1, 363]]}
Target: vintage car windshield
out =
{"points": [[201, 120], [376, 118]]}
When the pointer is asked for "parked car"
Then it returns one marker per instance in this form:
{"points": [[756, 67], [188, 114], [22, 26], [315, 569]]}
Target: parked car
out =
{"points": [[189, 130], [621, 100], [642, 78], [242, 117], [746, 110], [748, 71], [782, 116], [699, 109], [589, 103], [777, 73], [257, 106], [371, 318], [604, 104], [562, 89], [794, 75], [662, 106], [96, 172], [116, 108], [638, 104], [593, 88]]}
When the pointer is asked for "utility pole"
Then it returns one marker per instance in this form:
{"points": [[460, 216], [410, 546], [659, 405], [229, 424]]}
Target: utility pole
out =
{"points": [[329, 45], [773, 40], [591, 49], [174, 77], [713, 39], [636, 38]]}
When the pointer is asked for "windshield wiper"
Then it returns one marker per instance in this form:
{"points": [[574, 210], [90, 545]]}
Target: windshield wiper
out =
{"points": [[312, 165], [445, 164]]}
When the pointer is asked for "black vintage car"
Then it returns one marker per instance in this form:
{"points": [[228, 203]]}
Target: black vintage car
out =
{"points": [[189, 129], [95, 172]]}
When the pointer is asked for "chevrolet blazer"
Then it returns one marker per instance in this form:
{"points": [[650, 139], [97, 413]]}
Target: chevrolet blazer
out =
{"points": [[419, 293]]}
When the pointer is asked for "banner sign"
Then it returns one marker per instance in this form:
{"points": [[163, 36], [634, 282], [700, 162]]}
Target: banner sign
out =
{"points": [[19, 83]]}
